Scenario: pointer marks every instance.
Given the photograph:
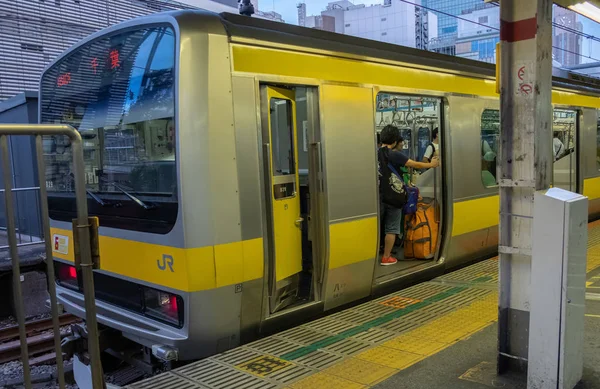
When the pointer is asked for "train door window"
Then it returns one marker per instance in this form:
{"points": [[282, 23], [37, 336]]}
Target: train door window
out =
{"points": [[416, 117], [564, 129], [490, 135], [282, 137]]}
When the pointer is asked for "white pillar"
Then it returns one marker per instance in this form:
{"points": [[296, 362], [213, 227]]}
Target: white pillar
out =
{"points": [[525, 162]]}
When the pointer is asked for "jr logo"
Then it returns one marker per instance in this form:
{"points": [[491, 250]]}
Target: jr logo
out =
{"points": [[167, 260]]}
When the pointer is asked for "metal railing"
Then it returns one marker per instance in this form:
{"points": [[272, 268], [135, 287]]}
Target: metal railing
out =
{"points": [[83, 258], [32, 232]]}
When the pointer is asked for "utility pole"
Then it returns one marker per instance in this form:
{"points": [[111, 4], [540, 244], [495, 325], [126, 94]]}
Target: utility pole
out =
{"points": [[526, 163]]}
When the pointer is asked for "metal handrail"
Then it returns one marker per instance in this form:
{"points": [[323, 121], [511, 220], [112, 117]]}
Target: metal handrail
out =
{"points": [[21, 189], [39, 130]]}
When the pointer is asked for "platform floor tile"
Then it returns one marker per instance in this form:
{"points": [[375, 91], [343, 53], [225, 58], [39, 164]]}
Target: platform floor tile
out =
{"points": [[415, 345], [361, 371], [390, 357], [326, 381]]}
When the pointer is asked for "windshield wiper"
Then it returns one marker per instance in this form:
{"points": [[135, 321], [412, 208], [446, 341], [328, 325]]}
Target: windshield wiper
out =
{"points": [[96, 198], [92, 194], [133, 198]]}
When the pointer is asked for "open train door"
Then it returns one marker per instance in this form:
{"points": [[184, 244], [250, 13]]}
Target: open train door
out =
{"points": [[282, 192]]}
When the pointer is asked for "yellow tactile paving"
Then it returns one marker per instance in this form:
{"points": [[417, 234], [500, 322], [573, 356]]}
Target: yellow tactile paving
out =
{"points": [[444, 334], [325, 381], [415, 345], [361, 371], [593, 258], [390, 357]]}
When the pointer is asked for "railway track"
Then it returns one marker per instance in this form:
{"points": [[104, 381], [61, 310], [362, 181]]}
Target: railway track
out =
{"points": [[40, 340]]}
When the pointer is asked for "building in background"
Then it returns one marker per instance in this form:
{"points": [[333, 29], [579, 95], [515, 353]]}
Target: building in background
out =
{"points": [[393, 21], [271, 15], [337, 10], [574, 38], [320, 22], [301, 14], [449, 13], [232, 3], [448, 10], [566, 36], [477, 34]]}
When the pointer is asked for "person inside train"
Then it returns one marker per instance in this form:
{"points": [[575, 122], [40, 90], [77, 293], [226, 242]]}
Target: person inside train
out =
{"points": [[488, 177], [433, 149], [488, 158], [391, 189], [559, 147]]}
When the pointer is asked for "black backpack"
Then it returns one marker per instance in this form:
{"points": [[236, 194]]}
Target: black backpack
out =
{"points": [[391, 188]]}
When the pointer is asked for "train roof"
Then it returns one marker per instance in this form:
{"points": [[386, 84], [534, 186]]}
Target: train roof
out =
{"points": [[243, 28]]}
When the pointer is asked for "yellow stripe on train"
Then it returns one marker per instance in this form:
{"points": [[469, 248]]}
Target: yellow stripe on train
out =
{"points": [[591, 188], [259, 60], [188, 270], [474, 215]]}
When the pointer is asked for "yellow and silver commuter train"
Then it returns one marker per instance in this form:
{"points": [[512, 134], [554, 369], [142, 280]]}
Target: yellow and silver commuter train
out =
{"points": [[231, 162]]}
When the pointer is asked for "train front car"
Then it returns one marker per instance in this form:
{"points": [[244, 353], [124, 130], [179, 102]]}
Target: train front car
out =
{"points": [[169, 232]]}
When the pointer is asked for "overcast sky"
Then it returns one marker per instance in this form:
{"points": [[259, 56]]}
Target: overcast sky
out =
{"points": [[287, 8]]}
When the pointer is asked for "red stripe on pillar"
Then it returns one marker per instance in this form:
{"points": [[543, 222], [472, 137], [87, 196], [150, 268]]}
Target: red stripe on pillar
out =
{"points": [[518, 31]]}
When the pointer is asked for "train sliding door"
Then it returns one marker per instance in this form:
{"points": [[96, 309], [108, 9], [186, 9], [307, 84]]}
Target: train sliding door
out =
{"points": [[287, 123], [564, 149]]}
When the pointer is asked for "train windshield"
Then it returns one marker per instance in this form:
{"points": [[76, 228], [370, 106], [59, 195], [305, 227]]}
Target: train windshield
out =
{"points": [[118, 91]]}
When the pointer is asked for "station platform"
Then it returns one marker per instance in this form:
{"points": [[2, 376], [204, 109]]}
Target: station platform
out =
{"points": [[437, 334]]}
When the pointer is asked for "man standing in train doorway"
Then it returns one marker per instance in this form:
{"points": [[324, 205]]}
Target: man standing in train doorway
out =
{"points": [[392, 193], [433, 149]]}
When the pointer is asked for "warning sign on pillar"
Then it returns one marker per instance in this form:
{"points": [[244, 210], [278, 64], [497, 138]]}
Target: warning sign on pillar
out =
{"points": [[523, 78]]}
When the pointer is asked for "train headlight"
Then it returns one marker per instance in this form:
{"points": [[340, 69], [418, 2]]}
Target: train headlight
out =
{"points": [[163, 306]]}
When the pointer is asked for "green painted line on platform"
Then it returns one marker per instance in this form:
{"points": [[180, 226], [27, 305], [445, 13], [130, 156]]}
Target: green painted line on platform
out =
{"points": [[303, 351]]}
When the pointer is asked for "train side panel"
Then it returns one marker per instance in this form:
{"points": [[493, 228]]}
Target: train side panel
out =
{"points": [[474, 208], [347, 114]]}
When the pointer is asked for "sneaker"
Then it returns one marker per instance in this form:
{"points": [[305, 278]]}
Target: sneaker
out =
{"points": [[388, 261]]}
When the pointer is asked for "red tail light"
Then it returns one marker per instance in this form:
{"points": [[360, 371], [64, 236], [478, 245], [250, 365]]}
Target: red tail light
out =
{"points": [[173, 302], [66, 275]]}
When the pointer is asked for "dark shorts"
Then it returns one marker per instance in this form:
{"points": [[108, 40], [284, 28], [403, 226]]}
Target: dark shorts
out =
{"points": [[392, 219]]}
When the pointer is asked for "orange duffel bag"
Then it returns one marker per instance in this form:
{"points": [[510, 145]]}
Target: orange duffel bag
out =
{"points": [[421, 232]]}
